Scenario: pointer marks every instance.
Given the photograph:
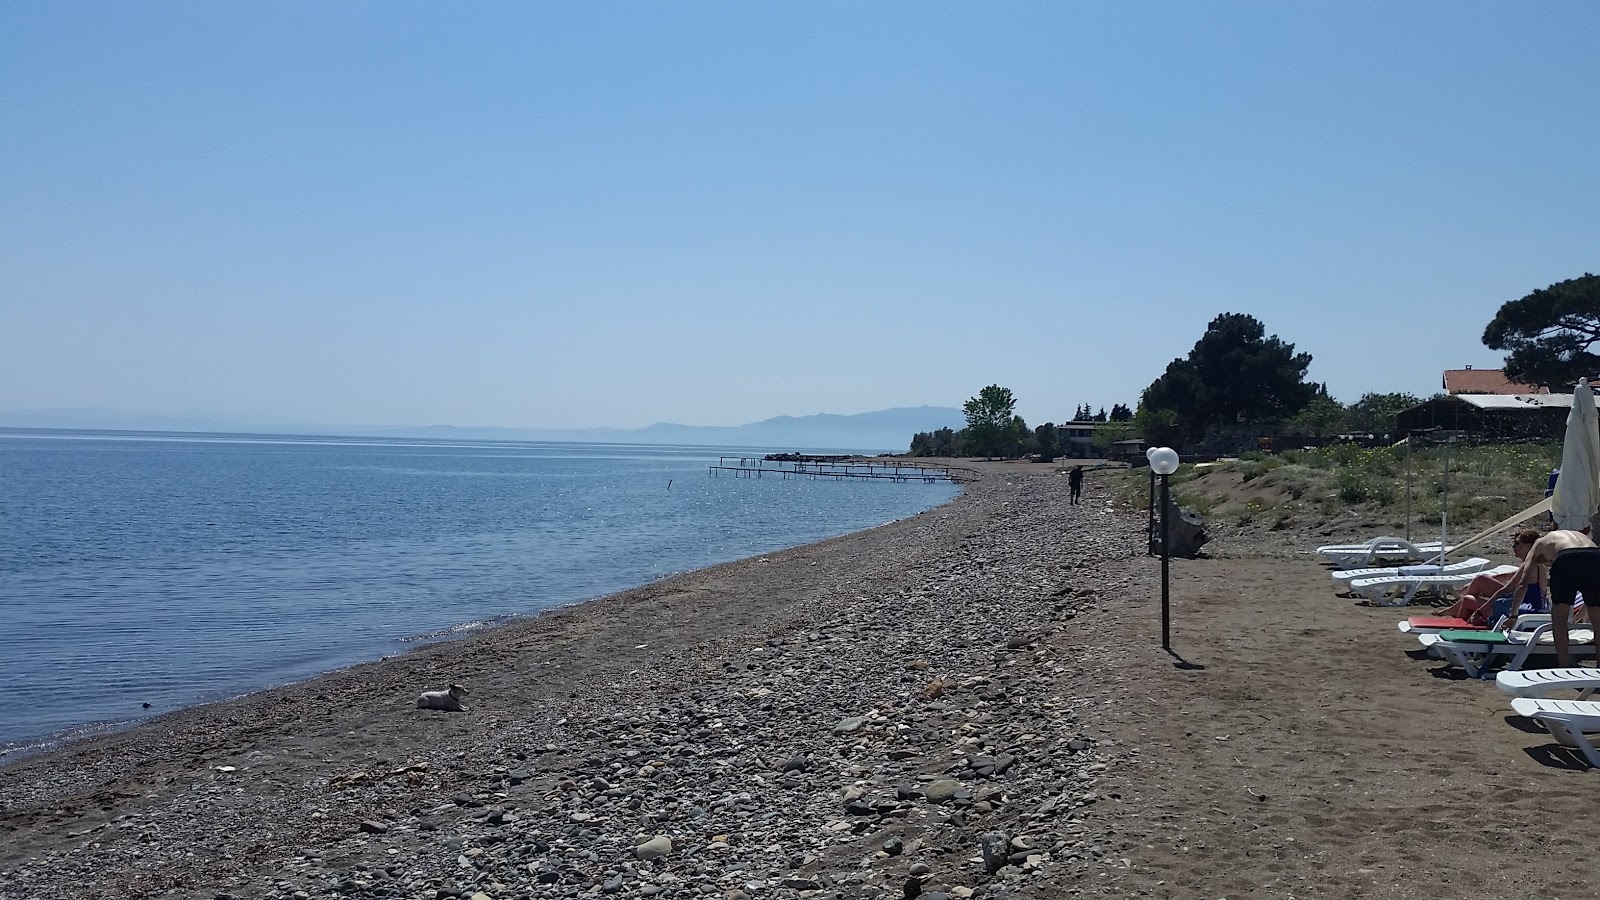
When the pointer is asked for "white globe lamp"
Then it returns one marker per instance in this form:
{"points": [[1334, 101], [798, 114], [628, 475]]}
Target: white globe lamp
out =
{"points": [[1163, 460]]}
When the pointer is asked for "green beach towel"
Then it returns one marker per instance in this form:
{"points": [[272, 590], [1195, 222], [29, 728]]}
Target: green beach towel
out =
{"points": [[1459, 636]]}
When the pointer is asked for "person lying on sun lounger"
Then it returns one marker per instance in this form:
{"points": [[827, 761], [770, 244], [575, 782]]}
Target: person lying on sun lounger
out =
{"points": [[1572, 562], [1477, 598]]}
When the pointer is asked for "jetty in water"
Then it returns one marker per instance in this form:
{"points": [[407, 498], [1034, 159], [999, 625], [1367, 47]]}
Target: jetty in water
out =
{"points": [[791, 465]]}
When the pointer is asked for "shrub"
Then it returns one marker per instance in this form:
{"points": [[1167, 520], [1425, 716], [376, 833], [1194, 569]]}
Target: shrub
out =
{"points": [[1350, 487], [1344, 454], [1383, 492]]}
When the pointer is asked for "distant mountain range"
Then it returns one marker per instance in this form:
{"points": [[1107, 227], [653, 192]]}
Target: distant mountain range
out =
{"points": [[886, 430]]}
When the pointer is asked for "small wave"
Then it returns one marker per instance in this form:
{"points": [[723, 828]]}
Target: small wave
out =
{"points": [[11, 751], [453, 630]]}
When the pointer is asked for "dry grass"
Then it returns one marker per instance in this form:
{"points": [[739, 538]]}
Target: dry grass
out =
{"points": [[1486, 484]]}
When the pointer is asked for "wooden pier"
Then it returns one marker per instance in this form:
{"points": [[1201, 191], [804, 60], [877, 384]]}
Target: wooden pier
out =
{"points": [[855, 470]]}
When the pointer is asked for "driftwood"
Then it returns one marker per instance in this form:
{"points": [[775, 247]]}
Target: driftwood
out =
{"points": [[1186, 528]]}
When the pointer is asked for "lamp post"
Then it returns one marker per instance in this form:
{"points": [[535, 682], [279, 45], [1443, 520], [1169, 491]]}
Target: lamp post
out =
{"points": [[1150, 514], [1163, 462]]}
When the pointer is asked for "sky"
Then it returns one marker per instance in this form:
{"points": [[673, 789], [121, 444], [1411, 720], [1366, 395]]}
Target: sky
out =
{"points": [[612, 214]]}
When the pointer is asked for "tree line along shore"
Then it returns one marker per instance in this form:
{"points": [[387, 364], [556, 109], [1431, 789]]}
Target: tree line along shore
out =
{"points": [[1238, 384]]}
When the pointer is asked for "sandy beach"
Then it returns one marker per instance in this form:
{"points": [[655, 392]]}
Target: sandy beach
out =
{"points": [[971, 702]]}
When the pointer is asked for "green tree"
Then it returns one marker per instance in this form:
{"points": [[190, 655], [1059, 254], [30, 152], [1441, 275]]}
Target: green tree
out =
{"points": [[1108, 433], [1101, 415], [1547, 335], [1375, 412], [943, 442], [1049, 440], [1234, 375], [1158, 427], [1121, 413], [1322, 416], [1018, 438], [989, 419]]}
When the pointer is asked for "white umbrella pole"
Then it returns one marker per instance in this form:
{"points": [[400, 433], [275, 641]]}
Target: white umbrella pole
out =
{"points": [[1540, 508], [1408, 487], [1444, 510]]}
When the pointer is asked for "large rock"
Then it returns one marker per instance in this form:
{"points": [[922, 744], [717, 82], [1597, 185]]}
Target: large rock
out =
{"points": [[1186, 531], [941, 791], [995, 857], [655, 848], [850, 725]]}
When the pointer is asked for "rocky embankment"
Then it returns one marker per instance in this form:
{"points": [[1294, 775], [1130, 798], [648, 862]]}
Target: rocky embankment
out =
{"points": [[915, 729]]}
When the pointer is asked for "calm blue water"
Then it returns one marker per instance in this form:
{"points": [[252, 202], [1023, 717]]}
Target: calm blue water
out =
{"points": [[178, 570]]}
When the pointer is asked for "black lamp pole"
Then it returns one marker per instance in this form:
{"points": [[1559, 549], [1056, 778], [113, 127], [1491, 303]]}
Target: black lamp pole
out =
{"points": [[1166, 609], [1150, 518]]}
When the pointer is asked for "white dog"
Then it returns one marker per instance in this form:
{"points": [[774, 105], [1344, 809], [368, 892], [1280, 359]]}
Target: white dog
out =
{"points": [[448, 700]]}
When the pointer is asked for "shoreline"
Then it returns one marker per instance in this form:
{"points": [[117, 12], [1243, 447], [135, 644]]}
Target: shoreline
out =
{"points": [[504, 630], [75, 735], [595, 652], [972, 701]]}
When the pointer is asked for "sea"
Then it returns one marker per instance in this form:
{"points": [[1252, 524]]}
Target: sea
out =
{"points": [[180, 569]]}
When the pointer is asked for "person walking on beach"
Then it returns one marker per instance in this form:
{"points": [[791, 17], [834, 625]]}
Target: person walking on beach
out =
{"points": [[1574, 563], [1075, 481]]}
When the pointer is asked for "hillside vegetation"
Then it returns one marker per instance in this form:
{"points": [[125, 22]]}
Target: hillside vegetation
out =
{"points": [[1302, 489]]}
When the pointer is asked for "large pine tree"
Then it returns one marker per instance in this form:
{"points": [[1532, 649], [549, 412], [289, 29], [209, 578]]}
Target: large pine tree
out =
{"points": [[1235, 374]]}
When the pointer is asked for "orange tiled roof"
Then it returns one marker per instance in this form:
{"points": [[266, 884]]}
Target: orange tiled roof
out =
{"points": [[1485, 381]]}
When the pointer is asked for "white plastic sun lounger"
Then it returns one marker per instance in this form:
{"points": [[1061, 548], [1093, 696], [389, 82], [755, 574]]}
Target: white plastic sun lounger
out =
{"points": [[1351, 556], [1406, 627], [1535, 682], [1337, 549], [1526, 623], [1519, 645], [1465, 567], [1567, 721], [1380, 589]]}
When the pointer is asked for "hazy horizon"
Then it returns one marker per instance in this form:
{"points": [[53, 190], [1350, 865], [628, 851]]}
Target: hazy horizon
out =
{"points": [[222, 416], [873, 432], [580, 216]]}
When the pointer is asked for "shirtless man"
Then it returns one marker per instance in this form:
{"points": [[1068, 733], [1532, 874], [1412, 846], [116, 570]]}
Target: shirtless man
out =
{"points": [[1574, 563]]}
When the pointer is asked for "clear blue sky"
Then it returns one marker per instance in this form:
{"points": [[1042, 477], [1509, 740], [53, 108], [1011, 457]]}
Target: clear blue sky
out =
{"points": [[580, 214]]}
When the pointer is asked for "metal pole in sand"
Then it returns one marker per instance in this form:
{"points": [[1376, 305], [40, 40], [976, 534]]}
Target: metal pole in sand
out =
{"points": [[1166, 607], [1444, 507], [1150, 519], [1163, 462], [1408, 487]]}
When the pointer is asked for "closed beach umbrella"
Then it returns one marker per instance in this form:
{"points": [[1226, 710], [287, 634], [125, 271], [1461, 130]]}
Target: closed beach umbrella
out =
{"points": [[1577, 493]]}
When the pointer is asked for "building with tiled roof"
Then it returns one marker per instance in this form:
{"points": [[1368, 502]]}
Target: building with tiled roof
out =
{"points": [[1485, 381]]}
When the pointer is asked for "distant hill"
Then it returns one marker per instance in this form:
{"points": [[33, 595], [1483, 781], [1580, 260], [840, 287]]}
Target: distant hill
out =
{"points": [[887, 430], [884, 430]]}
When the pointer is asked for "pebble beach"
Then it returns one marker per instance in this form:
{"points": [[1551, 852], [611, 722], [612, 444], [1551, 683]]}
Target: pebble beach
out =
{"points": [[971, 702]]}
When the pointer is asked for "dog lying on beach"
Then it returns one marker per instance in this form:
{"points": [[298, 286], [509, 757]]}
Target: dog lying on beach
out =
{"points": [[447, 700]]}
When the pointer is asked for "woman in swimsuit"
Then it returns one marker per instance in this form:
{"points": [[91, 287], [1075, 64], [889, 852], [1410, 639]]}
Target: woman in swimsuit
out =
{"points": [[1478, 596]]}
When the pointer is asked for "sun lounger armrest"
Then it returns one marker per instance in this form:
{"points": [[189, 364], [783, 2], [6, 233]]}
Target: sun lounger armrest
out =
{"points": [[1539, 632]]}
